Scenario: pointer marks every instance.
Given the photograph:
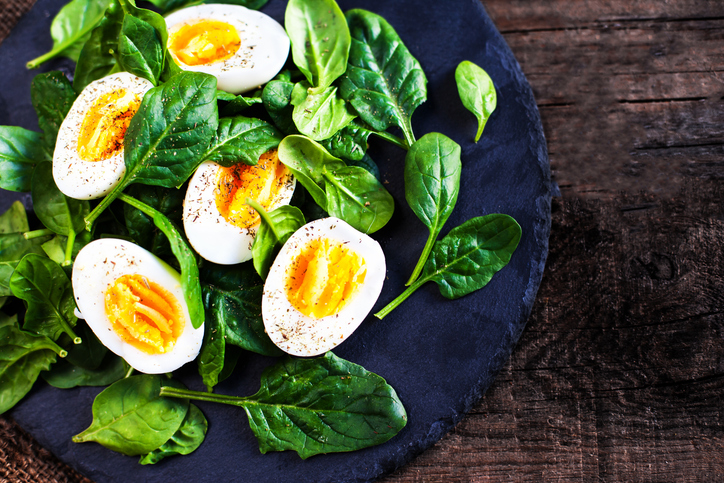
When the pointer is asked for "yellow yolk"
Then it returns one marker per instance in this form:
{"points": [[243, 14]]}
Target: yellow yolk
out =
{"points": [[324, 277], [262, 183], [204, 42], [105, 123], [144, 314]]}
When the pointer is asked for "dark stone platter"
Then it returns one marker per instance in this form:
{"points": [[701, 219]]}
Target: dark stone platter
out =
{"points": [[440, 355]]}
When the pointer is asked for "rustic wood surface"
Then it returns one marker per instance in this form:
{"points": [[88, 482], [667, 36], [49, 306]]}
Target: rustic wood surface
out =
{"points": [[619, 375]]}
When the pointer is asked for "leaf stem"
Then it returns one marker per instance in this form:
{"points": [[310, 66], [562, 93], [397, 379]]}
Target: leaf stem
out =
{"points": [[262, 213], [58, 49], [391, 138], [129, 372], [105, 202], [203, 396], [29, 235], [69, 248], [423, 258], [401, 298]]}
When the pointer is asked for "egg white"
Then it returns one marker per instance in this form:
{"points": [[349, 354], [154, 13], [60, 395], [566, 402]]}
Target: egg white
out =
{"points": [[299, 334], [97, 267], [208, 232], [87, 180], [263, 52]]}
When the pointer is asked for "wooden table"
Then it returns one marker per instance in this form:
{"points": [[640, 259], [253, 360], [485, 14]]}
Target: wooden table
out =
{"points": [[619, 375]]}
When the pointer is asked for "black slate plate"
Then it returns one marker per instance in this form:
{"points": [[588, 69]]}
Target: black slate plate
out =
{"points": [[440, 355]]}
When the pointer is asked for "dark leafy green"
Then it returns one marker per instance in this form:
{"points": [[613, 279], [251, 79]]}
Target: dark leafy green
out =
{"points": [[318, 405], [20, 151], [52, 96], [98, 56], [130, 416], [432, 182], [383, 81], [56, 247], [213, 351], [275, 229], [277, 100], [168, 201], [65, 375], [242, 139], [140, 48], [319, 114], [59, 213], [477, 92], [467, 258], [350, 142], [231, 105], [184, 441], [168, 5], [368, 164]]}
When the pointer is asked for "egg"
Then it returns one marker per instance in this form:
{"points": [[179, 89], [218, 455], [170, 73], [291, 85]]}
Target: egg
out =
{"points": [[133, 302], [243, 48], [88, 157], [219, 225], [324, 282]]}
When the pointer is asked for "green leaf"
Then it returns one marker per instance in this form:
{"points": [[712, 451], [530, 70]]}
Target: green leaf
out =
{"points": [[20, 151], [234, 105], [70, 29], [477, 92], [98, 56], [56, 247], [432, 182], [275, 229], [22, 357], [87, 355], [350, 142], [130, 416], [277, 100], [52, 96], [56, 211], [65, 375], [383, 81], [14, 220], [320, 39], [140, 48], [184, 441], [211, 357], [232, 295], [242, 139], [319, 114]]}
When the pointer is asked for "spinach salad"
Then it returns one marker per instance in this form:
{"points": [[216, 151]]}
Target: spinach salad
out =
{"points": [[351, 79]]}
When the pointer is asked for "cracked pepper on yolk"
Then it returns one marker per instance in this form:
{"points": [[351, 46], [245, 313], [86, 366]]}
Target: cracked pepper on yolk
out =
{"points": [[204, 42], [324, 277], [144, 314], [261, 182], [104, 125]]}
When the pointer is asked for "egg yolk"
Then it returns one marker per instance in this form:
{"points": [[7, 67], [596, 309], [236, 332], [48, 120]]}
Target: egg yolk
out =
{"points": [[204, 42], [144, 314], [323, 277], [262, 182], [104, 124]]}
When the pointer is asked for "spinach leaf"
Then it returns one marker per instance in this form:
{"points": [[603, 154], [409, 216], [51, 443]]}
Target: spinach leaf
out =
{"points": [[319, 114], [232, 295], [184, 441], [242, 139], [277, 100], [383, 81], [59, 213], [65, 375], [70, 29], [467, 258], [432, 182], [140, 49], [52, 96], [20, 151], [357, 197], [132, 418], [275, 229], [166, 6], [57, 247], [212, 355], [317, 405], [233, 105], [369, 165], [98, 56], [22, 357], [169, 135], [168, 201], [350, 142], [477, 92], [184, 255], [87, 355], [320, 39], [48, 294], [14, 220]]}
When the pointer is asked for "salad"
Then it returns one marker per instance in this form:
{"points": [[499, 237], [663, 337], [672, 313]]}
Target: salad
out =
{"points": [[351, 78]]}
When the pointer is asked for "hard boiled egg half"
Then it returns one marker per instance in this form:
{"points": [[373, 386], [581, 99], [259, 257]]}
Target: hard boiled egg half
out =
{"points": [[243, 48], [219, 224], [88, 157], [133, 302], [324, 282]]}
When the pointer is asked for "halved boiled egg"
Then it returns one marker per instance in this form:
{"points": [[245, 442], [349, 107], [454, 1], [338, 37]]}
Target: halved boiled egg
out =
{"points": [[243, 48], [133, 302], [324, 282], [219, 224], [88, 157]]}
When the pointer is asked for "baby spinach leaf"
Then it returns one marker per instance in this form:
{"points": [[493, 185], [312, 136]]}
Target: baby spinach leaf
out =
{"points": [[277, 100], [13, 243], [232, 354], [319, 114], [166, 6], [140, 49], [48, 294], [367, 164], [14, 220], [350, 142], [57, 246], [132, 418], [275, 229], [357, 197], [383, 81], [232, 105], [22, 357], [320, 39], [57, 212], [70, 29], [20, 151], [467, 258], [98, 56], [141, 227], [432, 182], [65, 375], [184, 441], [242, 139], [87, 355], [52, 96], [317, 405], [232, 295], [477, 92], [212, 355]]}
